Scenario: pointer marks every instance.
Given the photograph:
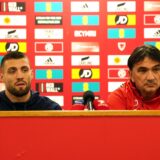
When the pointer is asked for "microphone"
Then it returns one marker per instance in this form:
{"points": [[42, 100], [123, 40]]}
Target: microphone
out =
{"points": [[88, 98], [100, 104]]}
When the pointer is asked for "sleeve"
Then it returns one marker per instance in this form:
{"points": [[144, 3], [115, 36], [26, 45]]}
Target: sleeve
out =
{"points": [[116, 100], [55, 106], [50, 104]]}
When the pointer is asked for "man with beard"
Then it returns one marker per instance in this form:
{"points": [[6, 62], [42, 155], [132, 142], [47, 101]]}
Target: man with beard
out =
{"points": [[142, 90], [16, 75]]}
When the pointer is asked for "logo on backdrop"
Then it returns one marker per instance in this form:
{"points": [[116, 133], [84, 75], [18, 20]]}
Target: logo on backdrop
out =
{"points": [[13, 33], [85, 33], [12, 7], [52, 47], [85, 6], [151, 19], [48, 20], [85, 47], [46, 87], [85, 60], [121, 6], [121, 46]]}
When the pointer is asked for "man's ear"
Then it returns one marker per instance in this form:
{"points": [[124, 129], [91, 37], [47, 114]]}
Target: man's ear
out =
{"points": [[32, 74], [130, 75], [1, 76]]}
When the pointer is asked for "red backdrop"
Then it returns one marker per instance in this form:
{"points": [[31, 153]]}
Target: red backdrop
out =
{"points": [[109, 31]]}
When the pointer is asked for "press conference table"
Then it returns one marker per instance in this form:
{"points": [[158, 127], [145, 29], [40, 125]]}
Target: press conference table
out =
{"points": [[80, 135]]}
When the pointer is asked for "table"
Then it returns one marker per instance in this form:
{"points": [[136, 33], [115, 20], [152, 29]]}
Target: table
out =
{"points": [[79, 135]]}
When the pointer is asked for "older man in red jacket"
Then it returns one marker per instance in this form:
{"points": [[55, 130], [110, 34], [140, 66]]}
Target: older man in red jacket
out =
{"points": [[142, 91]]}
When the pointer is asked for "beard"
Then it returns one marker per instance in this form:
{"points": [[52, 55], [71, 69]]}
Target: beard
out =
{"points": [[18, 93]]}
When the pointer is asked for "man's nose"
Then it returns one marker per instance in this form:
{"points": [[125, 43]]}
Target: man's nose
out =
{"points": [[19, 74], [150, 75]]}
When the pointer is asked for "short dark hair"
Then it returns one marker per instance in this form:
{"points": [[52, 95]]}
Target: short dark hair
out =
{"points": [[139, 53], [12, 55]]}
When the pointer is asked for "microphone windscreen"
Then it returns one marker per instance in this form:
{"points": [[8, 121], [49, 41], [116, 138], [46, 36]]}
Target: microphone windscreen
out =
{"points": [[88, 96], [78, 107], [100, 104]]}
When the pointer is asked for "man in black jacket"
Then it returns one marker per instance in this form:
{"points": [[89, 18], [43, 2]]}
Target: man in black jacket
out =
{"points": [[16, 74]]}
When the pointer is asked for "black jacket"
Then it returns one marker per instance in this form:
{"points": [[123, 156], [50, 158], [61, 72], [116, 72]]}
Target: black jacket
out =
{"points": [[36, 102]]}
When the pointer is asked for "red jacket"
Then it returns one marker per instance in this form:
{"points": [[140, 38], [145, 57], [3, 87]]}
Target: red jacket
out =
{"points": [[127, 97]]}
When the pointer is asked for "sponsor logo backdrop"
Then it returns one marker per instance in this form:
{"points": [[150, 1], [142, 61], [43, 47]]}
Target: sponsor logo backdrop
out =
{"points": [[74, 45]]}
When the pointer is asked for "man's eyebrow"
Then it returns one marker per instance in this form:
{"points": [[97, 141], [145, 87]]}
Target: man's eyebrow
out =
{"points": [[142, 67], [25, 66], [158, 65], [12, 67]]}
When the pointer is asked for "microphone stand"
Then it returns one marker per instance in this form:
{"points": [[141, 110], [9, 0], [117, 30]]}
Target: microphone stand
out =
{"points": [[90, 105]]}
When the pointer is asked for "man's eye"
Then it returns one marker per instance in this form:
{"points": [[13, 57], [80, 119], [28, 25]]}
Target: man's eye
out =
{"points": [[142, 70], [11, 71], [156, 69], [25, 70]]}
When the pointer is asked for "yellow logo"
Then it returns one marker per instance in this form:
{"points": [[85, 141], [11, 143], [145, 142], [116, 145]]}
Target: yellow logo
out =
{"points": [[85, 86], [85, 20], [49, 74], [7, 20]]}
